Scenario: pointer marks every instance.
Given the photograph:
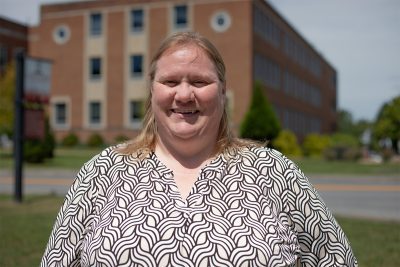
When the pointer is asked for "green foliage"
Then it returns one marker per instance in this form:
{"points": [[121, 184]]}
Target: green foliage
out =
{"points": [[260, 122], [286, 142], [70, 140], [7, 90], [343, 147], [346, 124], [315, 144], [387, 124], [33, 151], [49, 144], [95, 140], [36, 151]]}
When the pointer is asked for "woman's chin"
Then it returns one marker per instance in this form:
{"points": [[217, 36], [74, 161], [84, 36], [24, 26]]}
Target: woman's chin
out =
{"points": [[185, 133]]}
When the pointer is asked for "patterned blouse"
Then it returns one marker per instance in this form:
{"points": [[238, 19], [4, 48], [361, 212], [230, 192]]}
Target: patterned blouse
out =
{"points": [[255, 208]]}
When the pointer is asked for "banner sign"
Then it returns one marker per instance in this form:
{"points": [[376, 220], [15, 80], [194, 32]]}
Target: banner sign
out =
{"points": [[34, 124], [37, 79]]}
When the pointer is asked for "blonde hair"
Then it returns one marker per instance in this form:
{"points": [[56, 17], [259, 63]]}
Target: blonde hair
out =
{"points": [[145, 142]]}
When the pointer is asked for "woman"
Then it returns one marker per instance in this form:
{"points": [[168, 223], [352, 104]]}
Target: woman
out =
{"points": [[186, 193]]}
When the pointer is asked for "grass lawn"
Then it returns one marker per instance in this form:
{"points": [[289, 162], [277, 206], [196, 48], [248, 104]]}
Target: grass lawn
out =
{"points": [[25, 228], [73, 158], [64, 158]]}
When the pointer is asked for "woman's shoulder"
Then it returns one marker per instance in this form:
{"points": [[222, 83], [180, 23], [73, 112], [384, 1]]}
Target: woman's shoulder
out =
{"points": [[109, 156], [263, 153]]}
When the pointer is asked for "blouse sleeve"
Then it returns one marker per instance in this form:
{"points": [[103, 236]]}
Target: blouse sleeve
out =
{"points": [[322, 241], [65, 242]]}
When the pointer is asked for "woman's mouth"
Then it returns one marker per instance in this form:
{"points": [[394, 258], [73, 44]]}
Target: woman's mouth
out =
{"points": [[185, 111]]}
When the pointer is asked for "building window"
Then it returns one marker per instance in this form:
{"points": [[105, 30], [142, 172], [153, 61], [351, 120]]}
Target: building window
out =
{"points": [[95, 24], [267, 71], [61, 34], [94, 112], [136, 66], [181, 16], [60, 114], [137, 20], [95, 68], [135, 113], [266, 27], [3, 58], [221, 21]]}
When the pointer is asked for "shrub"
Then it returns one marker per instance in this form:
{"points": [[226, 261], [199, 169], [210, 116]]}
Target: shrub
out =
{"points": [[34, 151], [314, 145], [260, 122], [343, 147], [286, 142], [70, 140], [95, 140], [49, 143]]}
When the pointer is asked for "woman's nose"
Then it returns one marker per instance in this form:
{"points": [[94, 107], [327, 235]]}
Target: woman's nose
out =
{"points": [[184, 92]]}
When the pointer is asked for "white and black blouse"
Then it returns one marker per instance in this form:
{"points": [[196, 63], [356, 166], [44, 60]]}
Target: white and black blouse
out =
{"points": [[253, 209]]}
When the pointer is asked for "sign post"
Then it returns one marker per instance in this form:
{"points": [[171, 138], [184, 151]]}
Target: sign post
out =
{"points": [[32, 88], [19, 125]]}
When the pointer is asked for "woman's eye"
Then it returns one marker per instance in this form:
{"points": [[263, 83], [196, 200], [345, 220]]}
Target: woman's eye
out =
{"points": [[170, 83], [199, 83]]}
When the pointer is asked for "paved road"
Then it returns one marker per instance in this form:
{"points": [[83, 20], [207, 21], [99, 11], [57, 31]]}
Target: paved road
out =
{"points": [[359, 196]]}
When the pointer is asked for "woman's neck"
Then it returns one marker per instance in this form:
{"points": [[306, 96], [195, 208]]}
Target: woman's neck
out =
{"points": [[183, 157]]}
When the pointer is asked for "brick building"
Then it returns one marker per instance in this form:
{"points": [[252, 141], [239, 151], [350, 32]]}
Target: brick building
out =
{"points": [[13, 37], [101, 50]]}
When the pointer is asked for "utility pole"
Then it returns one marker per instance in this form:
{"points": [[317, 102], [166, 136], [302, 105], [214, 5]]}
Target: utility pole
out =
{"points": [[19, 125]]}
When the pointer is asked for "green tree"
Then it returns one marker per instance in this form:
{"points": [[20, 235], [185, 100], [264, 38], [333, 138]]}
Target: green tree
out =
{"points": [[345, 121], [260, 122], [7, 89], [286, 142], [347, 125], [387, 124]]}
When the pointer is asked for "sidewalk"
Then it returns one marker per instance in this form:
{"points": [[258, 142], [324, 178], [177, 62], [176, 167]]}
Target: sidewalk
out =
{"points": [[38, 181]]}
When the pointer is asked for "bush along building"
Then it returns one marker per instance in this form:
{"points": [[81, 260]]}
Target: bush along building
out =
{"points": [[101, 50]]}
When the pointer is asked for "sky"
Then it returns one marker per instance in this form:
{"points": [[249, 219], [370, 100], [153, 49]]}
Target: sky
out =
{"points": [[359, 38]]}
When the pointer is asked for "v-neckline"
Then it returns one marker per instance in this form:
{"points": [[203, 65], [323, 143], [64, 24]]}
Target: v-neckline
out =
{"points": [[168, 174]]}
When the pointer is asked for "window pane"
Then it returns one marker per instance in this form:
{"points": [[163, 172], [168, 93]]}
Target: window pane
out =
{"points": [[95, 112], [137, 20], [95, 68], [136, 65], [95, 24], [136, 110], [61, 113], [180, 16]]}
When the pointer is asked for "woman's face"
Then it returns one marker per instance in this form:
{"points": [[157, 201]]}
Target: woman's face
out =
{"points": [[187, 97]]}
